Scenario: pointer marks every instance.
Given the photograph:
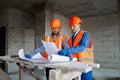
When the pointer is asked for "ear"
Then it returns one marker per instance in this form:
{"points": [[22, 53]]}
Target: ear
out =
{"points": [[79, 25]]}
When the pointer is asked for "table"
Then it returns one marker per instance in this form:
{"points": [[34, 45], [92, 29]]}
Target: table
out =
{"points": [[66, 69]]}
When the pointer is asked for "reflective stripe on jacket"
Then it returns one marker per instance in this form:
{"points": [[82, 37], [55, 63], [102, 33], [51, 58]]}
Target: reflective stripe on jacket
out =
{"points": [[85, 56], [58, 42]]}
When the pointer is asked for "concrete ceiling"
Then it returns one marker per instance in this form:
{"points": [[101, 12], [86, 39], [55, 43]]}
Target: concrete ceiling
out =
{"points": [[82, 8]]}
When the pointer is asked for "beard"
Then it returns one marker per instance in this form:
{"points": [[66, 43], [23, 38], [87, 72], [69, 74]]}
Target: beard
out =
{"points": [[55, 33]]}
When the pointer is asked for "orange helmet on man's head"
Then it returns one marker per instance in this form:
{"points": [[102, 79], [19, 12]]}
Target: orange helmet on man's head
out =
{"points": [[55, 23], [75, 20]]}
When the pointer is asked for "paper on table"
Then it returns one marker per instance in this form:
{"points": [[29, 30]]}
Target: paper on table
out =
{"points": [[52, 50], [35, 58], [39, 58], [50, 47], [58, 58]]}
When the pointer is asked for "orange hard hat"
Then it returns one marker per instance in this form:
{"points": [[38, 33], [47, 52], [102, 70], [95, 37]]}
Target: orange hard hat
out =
{"points": [[55, 23], [75, 20]]}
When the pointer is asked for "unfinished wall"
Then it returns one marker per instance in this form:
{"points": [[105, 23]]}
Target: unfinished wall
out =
{"points": [[48, 18], [20, 33], [39, 23], [105, 30], [4, 22], [4, 17]]}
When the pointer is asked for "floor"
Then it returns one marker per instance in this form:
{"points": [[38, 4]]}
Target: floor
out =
{"points": [[98, 74], [106, 74]]}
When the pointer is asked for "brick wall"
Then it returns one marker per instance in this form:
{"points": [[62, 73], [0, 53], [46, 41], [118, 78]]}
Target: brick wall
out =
{"points": [[48, 18], [20, 33], [39, 24], [105, 31], [4, 17], [4, 22]]}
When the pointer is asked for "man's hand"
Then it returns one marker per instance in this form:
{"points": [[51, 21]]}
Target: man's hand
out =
{"points": [[70, 57], [46, 54], [63, 52], [28, 56]]}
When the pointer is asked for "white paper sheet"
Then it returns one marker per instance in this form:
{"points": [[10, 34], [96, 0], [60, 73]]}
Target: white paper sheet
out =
{"points": [[35, 58], [58, 58], [39, 58], [50, 47]]}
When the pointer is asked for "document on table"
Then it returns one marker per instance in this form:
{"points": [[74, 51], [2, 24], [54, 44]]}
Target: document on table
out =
{"points": [[53, 56], [35, 58], [50, 47]]}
